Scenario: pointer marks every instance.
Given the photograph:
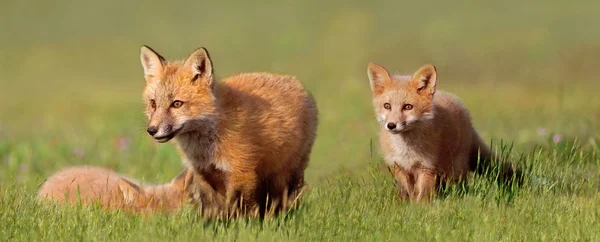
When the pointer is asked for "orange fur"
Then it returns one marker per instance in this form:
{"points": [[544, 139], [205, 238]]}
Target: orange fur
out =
{"points": [[90, 184], [426, 136], [249, 136]]}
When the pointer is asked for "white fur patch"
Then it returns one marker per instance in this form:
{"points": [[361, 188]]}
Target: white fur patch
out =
{"points": [[405, 156], [381, 119], [401, 154], [161, 132], [222, 165], [427, 116]]}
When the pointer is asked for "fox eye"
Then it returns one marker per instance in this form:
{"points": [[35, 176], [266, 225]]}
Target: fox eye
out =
{"points": [[177, 104], [387, 106], [152, 103], [408, 106]]}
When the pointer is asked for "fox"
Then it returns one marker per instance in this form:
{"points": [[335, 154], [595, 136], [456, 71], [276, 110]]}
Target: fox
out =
{"points": [[98, 185], [249, 135], [426, 136]]}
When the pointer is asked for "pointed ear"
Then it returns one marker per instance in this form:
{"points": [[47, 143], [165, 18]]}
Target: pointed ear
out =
{"points": [[131, 192], [151, 61], [379, 77], [200, 65], [425, 80], [183, 179]]}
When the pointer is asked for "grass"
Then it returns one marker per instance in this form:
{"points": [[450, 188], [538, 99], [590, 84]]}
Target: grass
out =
{"points": [[70, 94]]}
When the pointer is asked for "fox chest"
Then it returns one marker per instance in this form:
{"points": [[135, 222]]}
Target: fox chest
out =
{"points": [[396, 151]]}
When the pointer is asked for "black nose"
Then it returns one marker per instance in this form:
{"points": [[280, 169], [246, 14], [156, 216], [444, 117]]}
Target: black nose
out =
{"points": [[391, 126], [152, 130]]}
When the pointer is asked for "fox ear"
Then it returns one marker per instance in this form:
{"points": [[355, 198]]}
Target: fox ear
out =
{"points": [[379, 77], [425, 80], [151, 61], [131, 192], [200, 65]]}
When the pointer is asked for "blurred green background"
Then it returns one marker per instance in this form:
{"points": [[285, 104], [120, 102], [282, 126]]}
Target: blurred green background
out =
{"points": [[71, 94], [71, 81]]}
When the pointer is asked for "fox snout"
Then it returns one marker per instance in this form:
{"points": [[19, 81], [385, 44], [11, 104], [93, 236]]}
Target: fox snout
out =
{"points": [[395, 126], [162, 133], [152, 130], [162, 129], [391, 126], [393, 121]]}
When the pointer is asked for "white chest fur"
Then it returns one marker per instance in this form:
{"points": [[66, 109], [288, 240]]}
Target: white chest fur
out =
{"points": [[405, 155]]}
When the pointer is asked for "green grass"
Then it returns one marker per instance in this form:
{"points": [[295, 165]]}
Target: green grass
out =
{"points": [[71, 84]]}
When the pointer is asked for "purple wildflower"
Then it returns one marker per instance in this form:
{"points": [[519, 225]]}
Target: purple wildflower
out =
{"points": [[542, 131], [123, 143], [556, 138], [78, 152], [23, 170]]}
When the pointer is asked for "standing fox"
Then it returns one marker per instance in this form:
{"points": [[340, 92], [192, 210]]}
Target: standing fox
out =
{"points": [[249, 136], [90, 184], [426, 136]]}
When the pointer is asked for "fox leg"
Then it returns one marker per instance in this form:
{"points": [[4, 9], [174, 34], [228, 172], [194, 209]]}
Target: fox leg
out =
{"points": [[204, 196], [233, 201], [425, 185], [404, 182], [241, 196], [294, 191]]}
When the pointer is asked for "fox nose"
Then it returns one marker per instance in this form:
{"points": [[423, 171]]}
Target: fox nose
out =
{"points": [[391, 126], [152, 130]]}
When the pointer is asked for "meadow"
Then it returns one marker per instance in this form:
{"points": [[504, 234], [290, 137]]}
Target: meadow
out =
{"points": [[71, 86]]}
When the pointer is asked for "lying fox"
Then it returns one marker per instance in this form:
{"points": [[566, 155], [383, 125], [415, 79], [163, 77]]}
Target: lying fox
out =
{"points": [[249, 136], [110, 190], [426, 136]]}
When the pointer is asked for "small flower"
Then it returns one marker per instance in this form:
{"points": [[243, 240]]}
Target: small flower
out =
{"points": [[23, 168], [556, 138], [22, 175], [78, 152], [542, 131], [123, 143]]}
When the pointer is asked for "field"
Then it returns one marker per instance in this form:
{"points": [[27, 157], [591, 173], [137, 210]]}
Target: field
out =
{"points": [[71, 85]]}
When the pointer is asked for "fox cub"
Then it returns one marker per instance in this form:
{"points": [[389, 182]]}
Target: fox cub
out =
{"points": [[90, 184], [426, 136], [249, 136]]}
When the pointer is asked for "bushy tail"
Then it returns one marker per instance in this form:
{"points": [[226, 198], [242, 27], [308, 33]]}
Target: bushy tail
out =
{"points": [[483, 163]]}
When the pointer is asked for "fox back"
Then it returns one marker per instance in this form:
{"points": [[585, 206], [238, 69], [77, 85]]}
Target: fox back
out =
{"points": [[86, 184], [89, 184]]}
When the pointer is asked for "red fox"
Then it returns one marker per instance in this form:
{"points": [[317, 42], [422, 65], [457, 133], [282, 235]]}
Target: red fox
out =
{"points": [[90, 184], [249, 136], [426, 136]]}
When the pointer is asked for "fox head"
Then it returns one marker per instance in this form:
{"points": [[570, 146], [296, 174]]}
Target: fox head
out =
{"points": [[402, 102], [177, 94], [131, 193], [167, 196]]}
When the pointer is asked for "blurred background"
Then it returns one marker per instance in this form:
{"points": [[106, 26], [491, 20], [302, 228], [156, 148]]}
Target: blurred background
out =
{"points": [[71, 81]]}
